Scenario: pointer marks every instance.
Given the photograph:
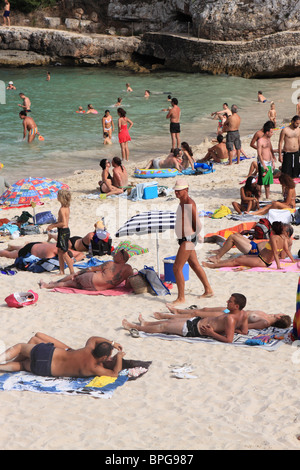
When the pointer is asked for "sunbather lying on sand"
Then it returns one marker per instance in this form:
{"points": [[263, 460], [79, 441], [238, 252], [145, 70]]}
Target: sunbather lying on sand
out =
{"points": [[256, 318], [221, 328], [38, 249]]}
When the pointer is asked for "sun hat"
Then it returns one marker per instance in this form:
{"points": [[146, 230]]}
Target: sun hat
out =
{"points": [[180, 184], [10, 83]]}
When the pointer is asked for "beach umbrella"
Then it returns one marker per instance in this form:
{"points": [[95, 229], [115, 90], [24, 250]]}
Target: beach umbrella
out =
{"points": [[149, 222], [27, 191]]}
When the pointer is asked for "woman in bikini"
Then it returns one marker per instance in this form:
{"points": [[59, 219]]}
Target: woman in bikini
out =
{"points": [[107, 124], [124, 136], [249, 197], [289, 196], [105, 185], [187, 157], [278, 242]]}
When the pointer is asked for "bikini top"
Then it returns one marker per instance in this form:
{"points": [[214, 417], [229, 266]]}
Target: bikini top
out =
{"points": [[268, 247]]}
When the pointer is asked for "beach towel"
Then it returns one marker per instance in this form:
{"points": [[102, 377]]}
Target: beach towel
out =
{"points": [[119, 290], [235, 229], [96, 387], [238, 340], [296, 321], [242, 157], [285, 264]]}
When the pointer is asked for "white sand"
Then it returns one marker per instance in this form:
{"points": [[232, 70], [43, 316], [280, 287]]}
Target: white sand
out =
{"points": [[243, 398]]}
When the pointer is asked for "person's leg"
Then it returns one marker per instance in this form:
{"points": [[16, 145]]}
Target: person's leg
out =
{"points": [[267, 191], [67, 281], [177, 137], [61, 261], [9, 357], [9, 254], [235, 239], [244, 260], [173, 141], [200, 273], [69, 262], [237, 207], [263, 210], [164, 326], [43, 338], [126, 151], [238, 156], [181, 258]]}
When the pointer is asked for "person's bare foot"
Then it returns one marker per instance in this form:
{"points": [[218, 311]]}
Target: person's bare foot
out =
{"points": [[176, 302], [171, 308], [127, 325], [213, 259], [206, 265], [162, 316], [43, 285], [141, 320], [206, 295]]}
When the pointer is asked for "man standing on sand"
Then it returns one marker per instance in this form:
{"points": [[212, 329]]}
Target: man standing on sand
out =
{"points": [[28, 125], [266, 159], [48, 357], [221, 328], [187, 229], [231, 126], [288, 148], [174, 116], [97, 278], [6, 13]]}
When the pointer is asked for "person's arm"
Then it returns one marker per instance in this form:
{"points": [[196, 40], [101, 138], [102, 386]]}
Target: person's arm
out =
{"points": [[170, 113], [253, 141], [131, 124], [259, 325], [280, 143], [244, 197], [226, 125], [94, 340], [273, 244], [286, 248], [244, 327], [24, 130], [100, 370], [259, 154], [112, 124], [207, 330]]}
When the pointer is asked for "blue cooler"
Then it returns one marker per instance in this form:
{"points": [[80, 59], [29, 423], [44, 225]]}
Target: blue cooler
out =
{"points": [[150, 192], [169, 273]]}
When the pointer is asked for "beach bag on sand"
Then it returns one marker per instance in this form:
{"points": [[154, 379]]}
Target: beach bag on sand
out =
{"points": [[139, 283], [262, 229], [101, 247], [21, 299], [156, 284], [29, 230], [44, 218]]}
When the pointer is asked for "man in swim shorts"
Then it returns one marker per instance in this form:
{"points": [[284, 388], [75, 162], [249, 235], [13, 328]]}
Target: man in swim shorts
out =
{"points": [[256, 318], [288, 148], [233, 141], [28, 126], [45, 356], [173, 160], [39, 249], [97, 278], [221, 328], [6, 13], [174, 116]]}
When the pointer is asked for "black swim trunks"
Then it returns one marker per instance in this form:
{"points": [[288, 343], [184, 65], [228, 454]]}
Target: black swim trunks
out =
{"points": [[174, 127], [233, 140], [291, 164], [191, 329], [41, 358], [26, 250], [73, 240], [63, 239]]}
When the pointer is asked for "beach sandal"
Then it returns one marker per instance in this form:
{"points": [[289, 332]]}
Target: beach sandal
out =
{"points": [[184, 375], [193, 307], [182, 370], [134, 333], [9, 272]]}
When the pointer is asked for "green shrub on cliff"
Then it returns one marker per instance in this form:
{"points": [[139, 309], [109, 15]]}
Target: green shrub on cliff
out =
{"points": [[26, 6]]}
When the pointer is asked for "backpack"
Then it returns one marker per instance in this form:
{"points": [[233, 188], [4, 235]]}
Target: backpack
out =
{"points": [[101, 247], [262, 229]]}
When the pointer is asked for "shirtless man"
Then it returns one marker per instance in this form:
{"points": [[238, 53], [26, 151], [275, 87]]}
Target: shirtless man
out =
{"points": [[97, 278], [266, 159], [28, 125], [218, 153], [225, 110], [187, 230], [288, 148], [39, 249], [26, 103], [172, 161], [257, 319], [231, 126], [260, 97], [48, 357], [6, 13], [221, 328], [174, 116]]}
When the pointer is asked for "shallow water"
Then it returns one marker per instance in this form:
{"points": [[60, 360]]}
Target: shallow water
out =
{"points": [[74, 141]]}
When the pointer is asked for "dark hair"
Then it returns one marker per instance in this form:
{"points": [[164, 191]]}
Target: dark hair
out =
{"points": [[259, 92], [277, 227], [287, 181], [102, 349], [249, 186], [289, 229], [103, 163], [22, 113], [186, 147], [268, 126], [169, 97], [119, 99], [174, 101], [118, 161], [283, 322], [106, 111], [220, 138], [121, 111], [296, 118], [225, 104], [176, 152], [240, 300]]}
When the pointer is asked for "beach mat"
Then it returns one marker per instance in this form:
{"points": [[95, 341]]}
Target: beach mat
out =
{"points": [[96, 387], [286, 266], [119, 290], [238, 340]]}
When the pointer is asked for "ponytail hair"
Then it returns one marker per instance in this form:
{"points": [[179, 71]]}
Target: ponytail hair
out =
{"points": [[118, 161]]}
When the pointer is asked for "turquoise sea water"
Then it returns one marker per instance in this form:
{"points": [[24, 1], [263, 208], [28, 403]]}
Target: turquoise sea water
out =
{"points": [[74, 141]]}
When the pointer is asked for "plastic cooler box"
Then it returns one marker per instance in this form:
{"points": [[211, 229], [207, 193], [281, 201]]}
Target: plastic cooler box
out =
{"points": [[168, 269], [150, 192]]}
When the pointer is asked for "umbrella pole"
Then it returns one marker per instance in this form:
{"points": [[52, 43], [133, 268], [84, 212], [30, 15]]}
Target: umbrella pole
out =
{"points": [[157, 255]]}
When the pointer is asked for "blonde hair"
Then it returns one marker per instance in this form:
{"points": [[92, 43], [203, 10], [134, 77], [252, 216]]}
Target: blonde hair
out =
{"points": [[64, 197]]}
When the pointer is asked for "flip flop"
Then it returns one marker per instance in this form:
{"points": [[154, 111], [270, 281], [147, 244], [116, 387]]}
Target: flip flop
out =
{"points": [[193, 307], [134, 333], [182, 370], [184, 375]]}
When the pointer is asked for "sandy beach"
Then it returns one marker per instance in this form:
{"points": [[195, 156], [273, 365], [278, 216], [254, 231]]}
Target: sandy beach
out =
{"points": [[242, 398]]}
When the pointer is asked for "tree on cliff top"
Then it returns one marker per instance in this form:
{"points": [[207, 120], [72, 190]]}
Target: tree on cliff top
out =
{"points": [[26, 6]]}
